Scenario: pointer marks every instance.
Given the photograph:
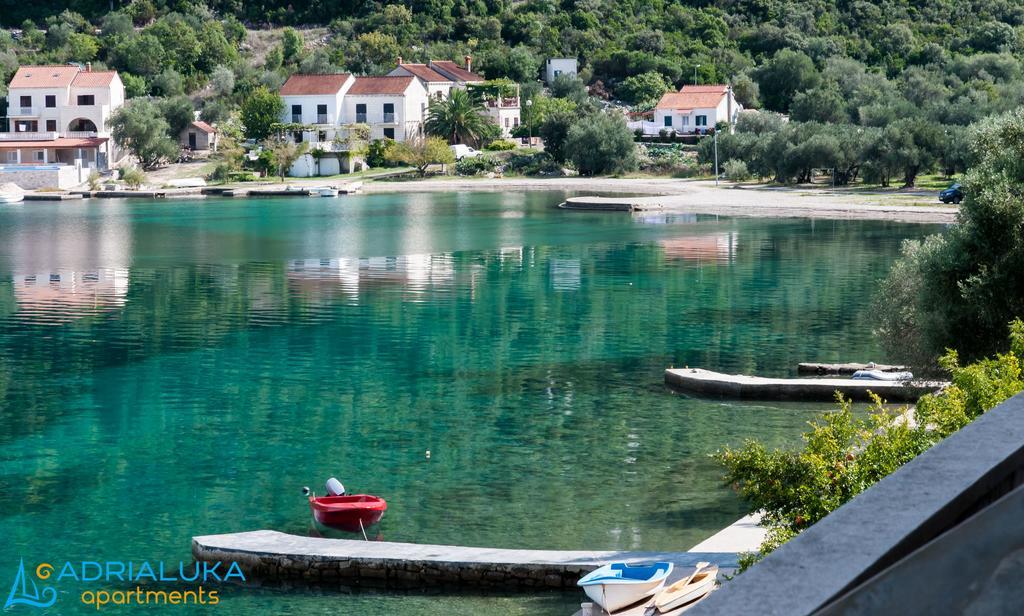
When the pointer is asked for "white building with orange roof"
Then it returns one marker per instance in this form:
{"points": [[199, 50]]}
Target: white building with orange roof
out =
{"points": [[58, 117], [439, 77], [696, 109]]}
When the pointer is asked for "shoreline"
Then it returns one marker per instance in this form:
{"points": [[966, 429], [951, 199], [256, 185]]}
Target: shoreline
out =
{"points": [[667, 195], [703, 197]]}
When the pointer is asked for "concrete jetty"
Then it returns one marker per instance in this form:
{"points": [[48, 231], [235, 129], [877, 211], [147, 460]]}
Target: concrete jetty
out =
{"points": [[271, 555], [849, 368], [741, 386], [612, 204], [56, 196]]}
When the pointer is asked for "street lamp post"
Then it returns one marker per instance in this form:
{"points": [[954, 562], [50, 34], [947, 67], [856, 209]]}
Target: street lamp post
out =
{"points": [[529, 121]]}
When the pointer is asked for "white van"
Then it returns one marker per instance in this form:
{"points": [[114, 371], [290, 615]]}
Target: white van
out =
{"points": [[462, 150]]}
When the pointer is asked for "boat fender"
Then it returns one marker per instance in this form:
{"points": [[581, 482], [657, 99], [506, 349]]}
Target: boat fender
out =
{"points": [[334, 487]]}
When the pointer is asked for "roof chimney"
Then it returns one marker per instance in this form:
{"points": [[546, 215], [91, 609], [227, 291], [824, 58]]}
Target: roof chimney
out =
{"points": [[399, 59], [469, 63], [88, 67]]}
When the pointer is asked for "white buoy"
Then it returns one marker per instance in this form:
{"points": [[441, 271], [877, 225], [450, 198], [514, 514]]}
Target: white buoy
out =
{"points": [[428, 454]]}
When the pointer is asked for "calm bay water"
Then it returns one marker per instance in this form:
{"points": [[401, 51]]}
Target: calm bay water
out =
{"points": [[175, 368]]}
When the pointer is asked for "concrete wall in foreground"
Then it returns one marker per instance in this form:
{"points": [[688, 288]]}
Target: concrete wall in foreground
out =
{"points": [[31, 177]]}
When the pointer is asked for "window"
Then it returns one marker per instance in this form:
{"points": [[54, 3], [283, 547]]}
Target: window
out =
{"points": [[40, 155], [515, 121], [438, 94], [557, 72], [389, 112], [668, 120], [29, 126], [321, 136], [296, 113], [702, 120], [51, 126], [389, 133], [321, 114], [361, 113], [51, 101], [26, 101], [506, 123], [86, 100], [684, 121], [297, 135]]}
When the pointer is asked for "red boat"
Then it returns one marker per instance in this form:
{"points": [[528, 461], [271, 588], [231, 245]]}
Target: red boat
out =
{"points": [[352, 513]]}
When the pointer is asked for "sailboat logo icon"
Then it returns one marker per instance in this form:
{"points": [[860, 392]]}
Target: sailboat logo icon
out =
{"points": [[22, 595]]}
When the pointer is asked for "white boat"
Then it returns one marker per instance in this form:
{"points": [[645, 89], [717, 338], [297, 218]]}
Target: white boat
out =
{"points": [[618, 585], [11, 193], [327, 191], [687, 590]]}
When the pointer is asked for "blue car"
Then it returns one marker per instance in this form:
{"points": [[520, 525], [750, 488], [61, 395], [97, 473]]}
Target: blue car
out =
{"points": [[953, 194]]}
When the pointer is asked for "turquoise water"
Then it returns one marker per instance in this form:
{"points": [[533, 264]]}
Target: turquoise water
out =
{"points": [[176, 368]]}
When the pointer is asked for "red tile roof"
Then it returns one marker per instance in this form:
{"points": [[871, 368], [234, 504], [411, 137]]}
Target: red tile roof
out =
{"points": [[203, 126], [298, 85], [424, 72], [453, 70], [396, 85], [63, 142], [47, 76], [693, 97], [94, 79]]}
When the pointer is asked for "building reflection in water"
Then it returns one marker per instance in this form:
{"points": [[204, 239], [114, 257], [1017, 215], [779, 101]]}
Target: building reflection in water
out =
{"points": [[717, 247], [346, 277], [59, 296]]}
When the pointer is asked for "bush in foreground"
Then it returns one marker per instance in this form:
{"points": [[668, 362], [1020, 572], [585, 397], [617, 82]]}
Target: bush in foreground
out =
{"points": [[844, 453]]}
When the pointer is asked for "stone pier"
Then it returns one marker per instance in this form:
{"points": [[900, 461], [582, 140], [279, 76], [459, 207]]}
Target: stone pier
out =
{"points": [[275, 556]]}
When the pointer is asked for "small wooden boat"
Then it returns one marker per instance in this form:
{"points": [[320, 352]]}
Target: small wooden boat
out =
{"points": [[326, 191], [617, 585], [687, 590]]}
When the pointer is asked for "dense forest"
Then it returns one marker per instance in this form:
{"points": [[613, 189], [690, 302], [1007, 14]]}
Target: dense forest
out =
{"points": [[920, 70]]}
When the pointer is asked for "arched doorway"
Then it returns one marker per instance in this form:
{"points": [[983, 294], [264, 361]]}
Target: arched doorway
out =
{"points": [[81, 125]]}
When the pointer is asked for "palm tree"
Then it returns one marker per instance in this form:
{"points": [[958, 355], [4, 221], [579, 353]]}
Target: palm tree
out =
{"points": [[459, 118]]}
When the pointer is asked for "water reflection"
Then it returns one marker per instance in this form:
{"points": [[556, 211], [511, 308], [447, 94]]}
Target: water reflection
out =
{"points": [[60, 296]]}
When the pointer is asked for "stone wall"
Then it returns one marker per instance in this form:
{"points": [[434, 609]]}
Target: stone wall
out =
{"points": [[33, 178]]}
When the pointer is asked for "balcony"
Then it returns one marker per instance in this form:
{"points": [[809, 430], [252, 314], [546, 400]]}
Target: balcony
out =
{"points": [[503, 103], [360, 118], [296, 118], [29, 136], [23, 112], [389, 118]]}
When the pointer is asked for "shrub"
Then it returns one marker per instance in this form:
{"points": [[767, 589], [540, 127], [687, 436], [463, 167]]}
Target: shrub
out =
{"points": [[94, 180], [532, 163], [133, 177], [736, 170], [499, 145], [476, 165], [845, 453], [601, 144], [377, 152]]}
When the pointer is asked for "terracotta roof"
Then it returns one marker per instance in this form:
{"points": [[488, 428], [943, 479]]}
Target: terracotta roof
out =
{"points": [[380, 85], [693, 97], [94, 79], [453, 70], [298, 85], [203, 126], [424, 72], [63, 142], [48, 76]]}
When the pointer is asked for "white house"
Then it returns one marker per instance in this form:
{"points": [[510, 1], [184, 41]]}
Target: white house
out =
{"points": [[695, 109], [393, 106], [327, 105], [439, 77], [58, 118], [560, 66]]}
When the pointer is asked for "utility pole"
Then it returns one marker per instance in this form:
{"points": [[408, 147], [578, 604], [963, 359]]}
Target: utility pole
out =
{"points": [[715, 137]]}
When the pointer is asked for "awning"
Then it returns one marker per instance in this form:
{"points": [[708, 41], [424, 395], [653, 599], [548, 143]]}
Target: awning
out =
{"points": [[63, 142]]}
